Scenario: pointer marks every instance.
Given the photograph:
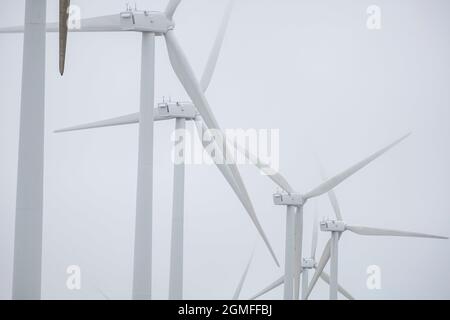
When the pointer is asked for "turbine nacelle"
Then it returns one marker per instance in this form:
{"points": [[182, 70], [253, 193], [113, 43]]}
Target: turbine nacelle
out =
{"points": [[332, 226], [184, 110], [291, 199]]}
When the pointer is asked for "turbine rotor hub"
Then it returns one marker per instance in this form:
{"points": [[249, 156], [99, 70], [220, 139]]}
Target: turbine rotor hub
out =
{"points": [[285, 199]]}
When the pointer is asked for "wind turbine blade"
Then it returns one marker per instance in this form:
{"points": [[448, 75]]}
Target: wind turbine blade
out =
{"points": [[269, 288], [128, 119], [273, 175], [315, 233], [63, 30], [109, 23], [15, 29], [185, 74], [319, 269], [224, 170], [214, 55], [368, 231], [335, 181], [325, 277], [171, 8], [335, 204], [237, 293]]}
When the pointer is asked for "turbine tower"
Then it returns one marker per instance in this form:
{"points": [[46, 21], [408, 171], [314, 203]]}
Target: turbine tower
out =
{"points": [[336, 228]]}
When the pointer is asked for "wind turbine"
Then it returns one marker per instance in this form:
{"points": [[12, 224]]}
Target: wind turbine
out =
{"points": [[336, 228], [182, 112], [294, 222], [64, 6], [307, 264], [152, 24], [30, 175]]}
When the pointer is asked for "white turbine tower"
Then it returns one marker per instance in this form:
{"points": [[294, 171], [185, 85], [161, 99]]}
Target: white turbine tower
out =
{"points": [[152, 24]]}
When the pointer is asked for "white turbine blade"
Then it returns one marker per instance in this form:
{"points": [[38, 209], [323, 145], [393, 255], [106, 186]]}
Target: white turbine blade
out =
{"points": [[272, 174], [368, 231], [319, 269], [171, 8], [143, 244], [335, 204], [237, 293], [269, 288], [325, 277], [335, 181], [185, 74], [214, 55], [124, 120], [315, 233], [201, 129], [331, 194], [63, 30]]}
